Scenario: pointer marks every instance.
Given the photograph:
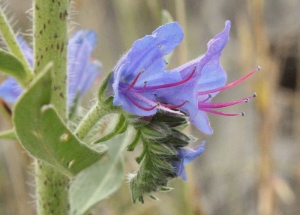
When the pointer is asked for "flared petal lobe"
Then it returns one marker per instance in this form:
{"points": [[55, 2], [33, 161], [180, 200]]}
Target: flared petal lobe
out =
{"points": [[213, 75], [209, 75]]}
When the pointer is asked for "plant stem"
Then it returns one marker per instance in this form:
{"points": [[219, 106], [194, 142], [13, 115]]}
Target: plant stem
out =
{"points": [[51, 190], [12, 44], [50, 45]]}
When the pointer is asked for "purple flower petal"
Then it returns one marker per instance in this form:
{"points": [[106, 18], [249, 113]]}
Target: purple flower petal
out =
{"points": [[213, 75], [201, 122], [147, 53], [209, 75]]}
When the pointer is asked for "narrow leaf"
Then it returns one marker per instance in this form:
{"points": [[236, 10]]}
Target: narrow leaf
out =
{"points": [[11, 66], [9, 37]]}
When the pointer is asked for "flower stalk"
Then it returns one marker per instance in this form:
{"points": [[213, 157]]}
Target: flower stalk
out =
{"points": [[97, 112]]}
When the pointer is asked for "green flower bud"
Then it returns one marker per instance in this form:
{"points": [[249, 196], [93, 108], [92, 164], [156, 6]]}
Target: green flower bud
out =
{"points": [[155, 131]]}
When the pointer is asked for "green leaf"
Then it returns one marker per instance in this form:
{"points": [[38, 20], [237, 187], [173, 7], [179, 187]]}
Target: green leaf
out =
{"points": [[9, 38], [101, 94], [11, 66], [44, 135], [100, 180]]}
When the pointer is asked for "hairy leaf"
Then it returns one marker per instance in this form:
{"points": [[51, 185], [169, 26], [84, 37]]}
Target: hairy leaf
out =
{"points": [[12, 66], [45, 136], [100, 180]]}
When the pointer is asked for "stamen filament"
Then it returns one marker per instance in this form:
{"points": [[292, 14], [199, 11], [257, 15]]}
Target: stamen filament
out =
{"points": [[222, 113], [173, 84], [141, 90], [142, 107], [222, 104], [175, 106], [229, 85], [209, 97], [134, 81]]}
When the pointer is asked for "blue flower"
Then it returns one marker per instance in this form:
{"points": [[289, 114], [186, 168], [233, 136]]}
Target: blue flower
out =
{"points": [[185, 156], [82, 70], [142, 85]]}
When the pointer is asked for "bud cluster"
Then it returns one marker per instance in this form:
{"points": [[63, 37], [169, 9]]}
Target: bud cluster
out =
{"points": [[161, 139]]}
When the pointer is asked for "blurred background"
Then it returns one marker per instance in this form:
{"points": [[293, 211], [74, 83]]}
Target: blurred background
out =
{"points": [[252, 163]]}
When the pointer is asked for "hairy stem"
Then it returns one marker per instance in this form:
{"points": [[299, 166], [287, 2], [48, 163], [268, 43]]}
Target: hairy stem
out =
{"points": [[92, 117], [50, 45]]}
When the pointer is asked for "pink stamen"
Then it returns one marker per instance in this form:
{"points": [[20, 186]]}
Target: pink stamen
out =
{"points": [[142, 107], [143, 89], [223, 104], [175, 106], [222, 113], [209, 97], [134, 81], [173, 84], [229, 85]]}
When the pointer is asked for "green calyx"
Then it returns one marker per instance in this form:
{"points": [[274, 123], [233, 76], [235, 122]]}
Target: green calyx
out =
{"points": [[102, 93]]}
